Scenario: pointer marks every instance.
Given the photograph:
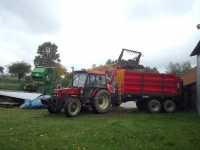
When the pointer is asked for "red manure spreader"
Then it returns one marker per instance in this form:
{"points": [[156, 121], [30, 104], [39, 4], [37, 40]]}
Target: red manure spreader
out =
{"points": [[151, 91], [124, 81]]}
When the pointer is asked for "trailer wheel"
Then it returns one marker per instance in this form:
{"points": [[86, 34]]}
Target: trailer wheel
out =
{"points": [[169, 106], [102, 102], [140, 105], [72, 107], [154, 106]]}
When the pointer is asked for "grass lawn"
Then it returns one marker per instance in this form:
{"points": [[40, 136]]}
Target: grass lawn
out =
{"points": [[118, 130]]}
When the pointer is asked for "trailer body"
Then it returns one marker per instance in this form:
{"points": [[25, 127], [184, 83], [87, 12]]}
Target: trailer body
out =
{"points": [[141, 83], [165, 90]]}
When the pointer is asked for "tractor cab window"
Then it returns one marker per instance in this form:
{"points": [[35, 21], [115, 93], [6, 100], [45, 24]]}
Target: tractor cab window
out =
{"points": [[96, 81], [101, 80], [92, 80], [79, 79]]}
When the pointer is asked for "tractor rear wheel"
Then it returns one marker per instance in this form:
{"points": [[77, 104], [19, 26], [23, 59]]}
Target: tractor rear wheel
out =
{"points": [[154, 106], [102, 102], [169, 106], [72, 107]]}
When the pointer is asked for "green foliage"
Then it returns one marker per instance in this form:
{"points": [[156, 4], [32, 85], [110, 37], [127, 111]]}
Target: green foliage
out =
{"points": [[30, 85], [10, 83], [179, 68], [119, 130], [66, 81], [19, 69], [61, 70], [150, 69], [110, 62], [47, 55], [1, 69]]}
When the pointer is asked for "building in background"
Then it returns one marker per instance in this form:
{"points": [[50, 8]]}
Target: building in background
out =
{"points": [[189, 85]]}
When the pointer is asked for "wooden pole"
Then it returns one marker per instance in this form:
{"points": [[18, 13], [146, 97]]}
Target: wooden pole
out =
{"points": [[198, 84], [198, 80]]}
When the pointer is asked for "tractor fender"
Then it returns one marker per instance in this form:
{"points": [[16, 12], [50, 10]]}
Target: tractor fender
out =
{"points": [[95, 91]]}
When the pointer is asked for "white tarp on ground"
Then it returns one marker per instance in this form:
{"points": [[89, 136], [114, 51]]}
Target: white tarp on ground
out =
{"points": [[28, 97], [130, 104], [20, 94]]}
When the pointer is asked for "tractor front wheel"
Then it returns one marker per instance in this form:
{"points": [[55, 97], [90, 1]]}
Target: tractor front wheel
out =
{"points": [[53, 106], [72, 107], [102, 102], [52, 110]]}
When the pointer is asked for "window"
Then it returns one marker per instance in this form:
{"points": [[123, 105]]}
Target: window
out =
{"points": [[79, 79], [101, 80], [92, 80], [96, 81]]}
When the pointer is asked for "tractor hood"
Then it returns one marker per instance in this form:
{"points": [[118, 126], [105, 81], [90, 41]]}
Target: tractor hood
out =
{"points": [[72, 91]]}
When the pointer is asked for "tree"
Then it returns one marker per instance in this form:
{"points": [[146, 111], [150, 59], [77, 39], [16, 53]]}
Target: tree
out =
{"points": [[1, 69], [152, 70], [186, 66], [61, 70], [178, 68], [19, 69], [47, 55], [110, 62]]}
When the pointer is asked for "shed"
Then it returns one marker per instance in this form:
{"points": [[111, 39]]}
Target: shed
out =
{"points": [[189, 86]]}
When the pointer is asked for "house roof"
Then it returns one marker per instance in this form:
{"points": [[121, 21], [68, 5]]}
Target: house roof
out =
{"points": [[196, 50]]}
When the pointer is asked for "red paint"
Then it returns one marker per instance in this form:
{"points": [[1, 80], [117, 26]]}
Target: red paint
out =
{"points": [[93, 93], [150, 83], [67, 91]]}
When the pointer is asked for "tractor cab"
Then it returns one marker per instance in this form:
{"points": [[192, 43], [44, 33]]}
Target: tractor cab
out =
{"points": [[88, 79], [82, 84]]}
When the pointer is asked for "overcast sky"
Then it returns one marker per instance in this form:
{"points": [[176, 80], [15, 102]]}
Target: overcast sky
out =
{"points": [[90, 31]]}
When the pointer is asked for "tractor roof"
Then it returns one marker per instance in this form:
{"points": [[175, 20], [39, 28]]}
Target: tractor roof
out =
{"points": [[91, 72]]}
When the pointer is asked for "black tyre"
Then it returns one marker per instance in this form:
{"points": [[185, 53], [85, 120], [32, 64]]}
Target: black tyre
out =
{"points": [[53, 106], [141, 105], [169, 106], [154, 106], [72, 107], [102, 102], [52, 110]]}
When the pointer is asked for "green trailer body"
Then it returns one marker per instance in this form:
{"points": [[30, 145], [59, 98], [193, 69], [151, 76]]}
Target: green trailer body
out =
{"points": [[46, 78]]}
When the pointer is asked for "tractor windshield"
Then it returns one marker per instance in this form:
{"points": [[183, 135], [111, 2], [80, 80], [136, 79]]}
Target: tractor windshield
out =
{"points": [[79, 79]]}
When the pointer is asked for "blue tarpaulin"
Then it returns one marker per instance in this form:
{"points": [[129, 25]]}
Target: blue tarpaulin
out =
{"points": [[35, 103]]}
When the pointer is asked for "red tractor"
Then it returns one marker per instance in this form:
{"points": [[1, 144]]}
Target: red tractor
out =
{"points": [[87, 89]]}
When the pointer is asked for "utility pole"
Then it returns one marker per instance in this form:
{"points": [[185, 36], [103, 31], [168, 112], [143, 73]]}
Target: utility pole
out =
{"points": [[196, 52]]}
